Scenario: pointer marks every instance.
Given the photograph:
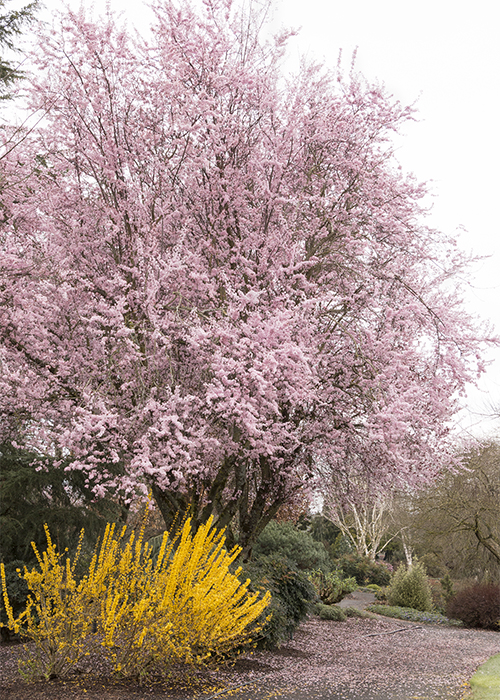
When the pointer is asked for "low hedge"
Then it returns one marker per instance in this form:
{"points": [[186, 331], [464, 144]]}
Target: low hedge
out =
{"points": [[413, 615]]}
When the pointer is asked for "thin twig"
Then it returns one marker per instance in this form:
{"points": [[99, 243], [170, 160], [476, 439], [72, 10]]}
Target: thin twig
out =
{"points": [[401, 629]]}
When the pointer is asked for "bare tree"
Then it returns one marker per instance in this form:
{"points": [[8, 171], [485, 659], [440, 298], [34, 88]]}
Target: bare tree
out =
{"points": [[458, 519], [363, 515]]}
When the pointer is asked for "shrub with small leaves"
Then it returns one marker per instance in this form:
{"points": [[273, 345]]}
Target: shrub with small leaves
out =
{"points": [[365, 570], [382, 593], [330, 612], [286, 540], [331, 588], [410, 588], [447, 590], [292, 596], [477, 606]]}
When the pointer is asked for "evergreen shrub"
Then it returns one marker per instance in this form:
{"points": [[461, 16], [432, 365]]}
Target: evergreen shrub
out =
{"points": [[447, 589], [320, 528], [34, 493], [292, 596], [330, 612], [365, 570], [477, 606], [382, 593], [409, 588], [286, 540], [331, 588]]}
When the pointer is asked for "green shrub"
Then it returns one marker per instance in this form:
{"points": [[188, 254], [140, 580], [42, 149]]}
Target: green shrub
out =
{"points": [[329, 612], [292, 597], [447, 590], [382, 593], [320, 528], [331, 587], [410, 588], [35, 492], [285, 540], [477, 606], [356, 612], [365, 570]]}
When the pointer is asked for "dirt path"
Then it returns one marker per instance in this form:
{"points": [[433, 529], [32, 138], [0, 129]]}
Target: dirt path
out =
{"points": [[380, 659], [358, 599], [372, 660]]}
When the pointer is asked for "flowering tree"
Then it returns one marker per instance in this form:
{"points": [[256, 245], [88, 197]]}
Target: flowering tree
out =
{"points": [[216, 281]]}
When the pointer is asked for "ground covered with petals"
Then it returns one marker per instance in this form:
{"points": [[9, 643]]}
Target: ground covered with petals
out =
{"points": [[380, 659]]}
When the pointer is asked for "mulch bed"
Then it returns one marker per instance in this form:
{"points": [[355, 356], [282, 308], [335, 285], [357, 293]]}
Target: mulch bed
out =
{"points": [[352, 659]]}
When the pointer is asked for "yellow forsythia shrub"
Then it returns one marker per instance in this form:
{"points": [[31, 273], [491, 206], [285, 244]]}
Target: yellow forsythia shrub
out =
{"points": [[56, 617], [183, 607]]}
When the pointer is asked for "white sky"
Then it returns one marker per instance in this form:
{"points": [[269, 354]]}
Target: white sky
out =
{"points": [[445, 56]]}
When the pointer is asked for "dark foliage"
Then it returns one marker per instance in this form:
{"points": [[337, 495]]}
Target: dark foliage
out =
{"points": [[364, 570], [292, 597], [34, 492], [320, 528], [477, 606], [447, 587], [10, 26], [286, 540]]}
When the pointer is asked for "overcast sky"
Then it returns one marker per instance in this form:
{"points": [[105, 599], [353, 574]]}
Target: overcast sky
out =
{"points": [[445, 57]]}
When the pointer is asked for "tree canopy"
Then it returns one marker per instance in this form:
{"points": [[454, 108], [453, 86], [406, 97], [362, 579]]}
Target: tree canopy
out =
{"points": [[216, 281]]}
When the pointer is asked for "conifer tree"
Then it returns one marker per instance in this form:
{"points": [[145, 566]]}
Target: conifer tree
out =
{"points": [[11, 23], [34, 493]]}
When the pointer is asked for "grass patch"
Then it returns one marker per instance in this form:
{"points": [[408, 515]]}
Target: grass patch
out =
{"points": [[485, 683], [413, 615]]}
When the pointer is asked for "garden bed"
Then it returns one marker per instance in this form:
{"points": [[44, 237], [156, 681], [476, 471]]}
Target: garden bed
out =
{"points": [[356, 656]]}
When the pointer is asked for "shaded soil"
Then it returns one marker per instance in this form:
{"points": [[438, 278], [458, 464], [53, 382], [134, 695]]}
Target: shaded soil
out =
{"points": [[358, 659]]}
